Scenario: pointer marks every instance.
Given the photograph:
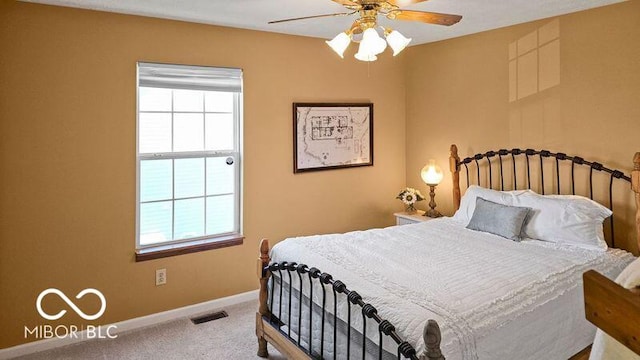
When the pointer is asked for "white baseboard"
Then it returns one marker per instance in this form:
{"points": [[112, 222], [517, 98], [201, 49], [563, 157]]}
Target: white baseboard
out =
{"points": [[132, 324]]}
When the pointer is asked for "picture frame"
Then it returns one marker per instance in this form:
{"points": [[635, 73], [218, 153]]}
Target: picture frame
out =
{"points": [[330, 136]]}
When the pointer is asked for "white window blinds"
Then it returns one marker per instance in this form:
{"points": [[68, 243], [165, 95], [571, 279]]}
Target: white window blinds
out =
{"points": [[189, 77]]}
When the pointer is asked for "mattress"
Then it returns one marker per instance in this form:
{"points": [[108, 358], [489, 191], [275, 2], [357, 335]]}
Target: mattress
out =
{"points": [[493, 298]]}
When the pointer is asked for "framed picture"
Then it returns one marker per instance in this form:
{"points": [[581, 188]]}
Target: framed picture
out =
{"points": [[332, 136]]}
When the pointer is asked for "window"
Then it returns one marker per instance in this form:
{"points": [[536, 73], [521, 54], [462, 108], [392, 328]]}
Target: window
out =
{"points": [[188, 156]]}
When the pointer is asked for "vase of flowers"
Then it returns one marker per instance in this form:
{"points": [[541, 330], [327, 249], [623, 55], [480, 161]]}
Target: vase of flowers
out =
{"points": [[410, 197]]}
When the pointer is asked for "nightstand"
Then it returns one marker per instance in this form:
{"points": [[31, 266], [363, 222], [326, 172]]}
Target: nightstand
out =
{"points": [[404, 218]]}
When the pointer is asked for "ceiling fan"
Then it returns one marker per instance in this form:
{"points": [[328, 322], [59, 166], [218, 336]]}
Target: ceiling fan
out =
{"points": [[371, 43]]}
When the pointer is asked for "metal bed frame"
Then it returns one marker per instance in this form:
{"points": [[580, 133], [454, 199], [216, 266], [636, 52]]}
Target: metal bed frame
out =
{"points": [[270, 321]]}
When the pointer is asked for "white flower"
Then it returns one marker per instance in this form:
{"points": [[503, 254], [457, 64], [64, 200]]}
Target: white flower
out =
{"points": [[409, 197]]}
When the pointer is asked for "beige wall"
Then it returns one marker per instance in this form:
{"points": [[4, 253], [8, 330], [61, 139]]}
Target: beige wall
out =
{"points": [[67, 156], [67, 139], [581, 98]]}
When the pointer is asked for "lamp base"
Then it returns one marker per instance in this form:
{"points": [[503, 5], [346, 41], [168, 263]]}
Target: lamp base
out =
{"points": [[432, 213]]}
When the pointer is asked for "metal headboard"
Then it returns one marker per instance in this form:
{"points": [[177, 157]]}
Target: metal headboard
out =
{"points": [[483, 162]]}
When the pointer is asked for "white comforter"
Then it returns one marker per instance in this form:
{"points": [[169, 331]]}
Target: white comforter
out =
{"points": [[472, 283]]}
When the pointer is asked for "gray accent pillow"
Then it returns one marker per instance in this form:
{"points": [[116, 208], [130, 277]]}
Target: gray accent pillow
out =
{"points": [[498, 219]]}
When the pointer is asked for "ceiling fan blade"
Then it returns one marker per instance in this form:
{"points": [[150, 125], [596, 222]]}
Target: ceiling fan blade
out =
{"points": [[424, 16], [309, 17], [403, 3]]}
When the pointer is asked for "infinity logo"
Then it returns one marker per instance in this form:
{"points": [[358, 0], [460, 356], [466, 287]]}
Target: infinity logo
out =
{"points": [[71, 304]]}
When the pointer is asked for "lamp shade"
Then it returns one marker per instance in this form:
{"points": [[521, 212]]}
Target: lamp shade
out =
{"points": [[370, 46], [373, 42], [340, 43], [431, 173], [397, 42], [362, 56], [366, 49]]}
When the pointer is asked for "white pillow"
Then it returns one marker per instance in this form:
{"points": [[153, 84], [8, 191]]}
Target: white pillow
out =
{"points": [[629, 278], [468, 201], [565, 219]]}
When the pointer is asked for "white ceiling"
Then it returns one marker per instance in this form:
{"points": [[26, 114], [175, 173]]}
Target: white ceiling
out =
{"points": [[254, 14]]}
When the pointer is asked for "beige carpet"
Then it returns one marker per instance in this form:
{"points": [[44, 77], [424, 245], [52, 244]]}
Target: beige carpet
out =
{"points": [[227, 338]]}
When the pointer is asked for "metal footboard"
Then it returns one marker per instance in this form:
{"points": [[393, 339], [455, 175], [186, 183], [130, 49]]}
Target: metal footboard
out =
{"points": [[274, 322]]}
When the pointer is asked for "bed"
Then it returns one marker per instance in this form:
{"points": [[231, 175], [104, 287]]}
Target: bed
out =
{"points": [[437, 289]]}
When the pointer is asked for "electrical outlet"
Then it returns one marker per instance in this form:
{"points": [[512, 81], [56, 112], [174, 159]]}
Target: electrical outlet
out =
{"points": [[161, 277]]}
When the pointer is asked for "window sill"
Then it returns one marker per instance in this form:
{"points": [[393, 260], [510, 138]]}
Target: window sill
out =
{"points": [[161, 251]]}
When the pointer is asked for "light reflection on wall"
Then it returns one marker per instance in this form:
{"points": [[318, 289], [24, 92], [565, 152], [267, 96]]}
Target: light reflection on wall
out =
{"points": [[534, 61], [534, 66]]}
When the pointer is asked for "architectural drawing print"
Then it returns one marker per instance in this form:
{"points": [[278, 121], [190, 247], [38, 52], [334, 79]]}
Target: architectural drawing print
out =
{"points": [[331, 128], [329, 136]]}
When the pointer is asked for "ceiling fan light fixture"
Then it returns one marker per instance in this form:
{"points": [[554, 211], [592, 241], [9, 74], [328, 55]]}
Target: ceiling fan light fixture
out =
{"points": [[397, 41], [340, 43], [363, 30]]}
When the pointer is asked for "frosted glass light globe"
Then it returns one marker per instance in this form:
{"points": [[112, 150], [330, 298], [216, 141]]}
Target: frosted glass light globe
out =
{"points": [[340, 43], [431, 173], [397, 42]]}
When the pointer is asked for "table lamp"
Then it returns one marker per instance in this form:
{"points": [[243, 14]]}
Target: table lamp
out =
{"points": [[432, 175]]}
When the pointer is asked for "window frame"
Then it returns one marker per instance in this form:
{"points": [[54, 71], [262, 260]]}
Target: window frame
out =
{"points": [[199, 243]]}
